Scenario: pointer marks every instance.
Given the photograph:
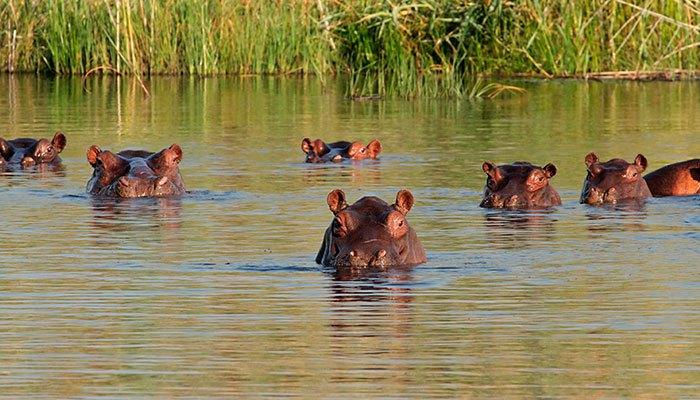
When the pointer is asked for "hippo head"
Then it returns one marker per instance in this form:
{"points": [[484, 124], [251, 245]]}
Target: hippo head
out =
{"points": [[314, 150], [519, 185], [31, 152], [318, 151], [135, 173], [613, 181], [370, 233], [358, 151]]}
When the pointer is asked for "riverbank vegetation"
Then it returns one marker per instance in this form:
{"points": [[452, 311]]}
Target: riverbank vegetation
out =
{"points": [[406, 48]]}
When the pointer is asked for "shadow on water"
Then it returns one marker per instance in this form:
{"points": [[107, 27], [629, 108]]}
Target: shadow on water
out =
{"points": [[352, 172], [367, 301], [120, 215], [518, 228], [628, 215]]}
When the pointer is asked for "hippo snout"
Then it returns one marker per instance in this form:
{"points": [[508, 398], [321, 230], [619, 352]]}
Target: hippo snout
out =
{"points": [[28, 161], [360, 258], [594, 196], [498, 201]]}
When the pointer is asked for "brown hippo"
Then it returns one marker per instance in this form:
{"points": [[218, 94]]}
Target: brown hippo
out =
{"points": [[679, 179], [519, 185], [614, 180], [135, 173], [370, 233], [320, 152], [26, 152]]}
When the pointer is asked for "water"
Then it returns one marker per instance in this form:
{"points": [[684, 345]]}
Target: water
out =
{"points": [[217, 294]]}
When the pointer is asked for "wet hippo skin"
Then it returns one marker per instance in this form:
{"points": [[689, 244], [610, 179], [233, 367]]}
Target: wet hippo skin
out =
{"points": [[26, 152], [519, 185], [370, 233], [135, 173], [679, 179], [318, 151]]}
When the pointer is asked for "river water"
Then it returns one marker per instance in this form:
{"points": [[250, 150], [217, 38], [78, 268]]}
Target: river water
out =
{"points": [[217, 294]]}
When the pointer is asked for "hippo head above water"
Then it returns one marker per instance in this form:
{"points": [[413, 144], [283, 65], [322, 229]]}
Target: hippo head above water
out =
{"points": [[519, 185], [31, 152], [370, 233], [135, 173], [318, 151], [613, 181]]}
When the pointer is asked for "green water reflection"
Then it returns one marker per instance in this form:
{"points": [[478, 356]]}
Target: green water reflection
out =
{"points": [[217, 294]]}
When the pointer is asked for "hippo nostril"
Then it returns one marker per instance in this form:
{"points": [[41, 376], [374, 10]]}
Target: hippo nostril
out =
{"points": [[381, 254]]}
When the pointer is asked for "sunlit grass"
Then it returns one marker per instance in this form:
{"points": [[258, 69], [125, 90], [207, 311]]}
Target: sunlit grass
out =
{"points": [[404, 48]]}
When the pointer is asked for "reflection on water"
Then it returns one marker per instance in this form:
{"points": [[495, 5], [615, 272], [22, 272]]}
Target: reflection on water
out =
{"points": [[216, 294]]}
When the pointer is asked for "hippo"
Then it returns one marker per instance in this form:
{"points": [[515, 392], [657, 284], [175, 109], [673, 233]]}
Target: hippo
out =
{"points": [[320, 152], [519, 185], [614, 181], [135, 173], [26, 152], [370, 233], [679, 179]]}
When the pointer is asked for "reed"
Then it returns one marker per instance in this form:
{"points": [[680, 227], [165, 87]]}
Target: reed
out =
{"points": [[404, 48]]}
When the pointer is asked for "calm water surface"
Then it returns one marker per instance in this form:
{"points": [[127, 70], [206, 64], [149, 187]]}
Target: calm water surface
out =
{"points": [[217, 294]]}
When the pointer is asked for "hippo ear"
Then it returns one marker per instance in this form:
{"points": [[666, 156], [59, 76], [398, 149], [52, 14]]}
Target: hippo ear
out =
{"points": [[92, 154], [4, 147], [306, 145], [641, 161], [374, 147], [550, 170], [320, 147], [590, 159], [336, 201], [491, 170], [177, 150], [59, 141], [404, 201]]}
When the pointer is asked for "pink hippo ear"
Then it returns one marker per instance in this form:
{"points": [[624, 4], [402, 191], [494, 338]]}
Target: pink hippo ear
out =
{"points": [[492, 171], [641, 162], [4, 147], [59, 141], [590, 159], [306, 145], [92, 154], [374, 147], [175, 151], [550, 170], [404, 201], [336, 201]]}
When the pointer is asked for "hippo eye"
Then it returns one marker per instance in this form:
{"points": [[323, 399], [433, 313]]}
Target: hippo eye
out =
{"points": [[634, 175], [49, 149]]}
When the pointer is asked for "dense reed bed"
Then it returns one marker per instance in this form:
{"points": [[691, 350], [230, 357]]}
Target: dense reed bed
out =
{"points": [[408, 48]]}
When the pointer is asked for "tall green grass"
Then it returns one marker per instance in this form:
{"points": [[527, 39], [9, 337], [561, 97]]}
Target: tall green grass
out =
{"points": [[406, 48]]}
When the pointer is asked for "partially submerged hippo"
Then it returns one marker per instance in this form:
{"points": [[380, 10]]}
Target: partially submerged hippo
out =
{"points": [[26, 152], [679, 179], [614, 180], [370, 233], [519, 185], [320, 152], [135, 173]]}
